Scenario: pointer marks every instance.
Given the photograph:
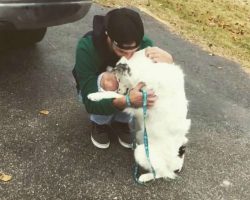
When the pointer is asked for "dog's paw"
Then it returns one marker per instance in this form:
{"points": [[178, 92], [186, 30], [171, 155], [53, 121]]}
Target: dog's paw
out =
{"points": [[94, 97], [146, 177], [97, 96]]}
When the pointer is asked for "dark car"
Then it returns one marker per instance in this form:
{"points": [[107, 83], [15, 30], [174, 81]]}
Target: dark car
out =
{"points": [[26, 21]]}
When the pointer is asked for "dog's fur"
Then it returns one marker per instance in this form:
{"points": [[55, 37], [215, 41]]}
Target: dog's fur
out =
{"points": [[166, 121]]}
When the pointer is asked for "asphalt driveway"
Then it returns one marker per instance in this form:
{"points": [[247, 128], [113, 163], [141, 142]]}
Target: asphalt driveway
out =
{"points": [[51, 156]]}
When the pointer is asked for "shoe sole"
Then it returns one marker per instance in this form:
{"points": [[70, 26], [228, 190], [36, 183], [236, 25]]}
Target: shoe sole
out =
{"points": [[124, 144], [99, 145]]}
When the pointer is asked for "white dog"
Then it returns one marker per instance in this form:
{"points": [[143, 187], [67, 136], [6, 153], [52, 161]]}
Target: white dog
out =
{"points": [[166, 121]]}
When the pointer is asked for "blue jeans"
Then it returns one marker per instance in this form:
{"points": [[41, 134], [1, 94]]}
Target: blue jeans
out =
{"points": [[108, 119]]}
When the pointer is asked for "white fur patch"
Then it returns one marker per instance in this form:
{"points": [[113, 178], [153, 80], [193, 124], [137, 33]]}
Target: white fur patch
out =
{"points": [[97, 96]]}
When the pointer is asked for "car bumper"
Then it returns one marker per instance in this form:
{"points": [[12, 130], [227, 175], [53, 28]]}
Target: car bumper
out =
{"points": [[38, 15]]}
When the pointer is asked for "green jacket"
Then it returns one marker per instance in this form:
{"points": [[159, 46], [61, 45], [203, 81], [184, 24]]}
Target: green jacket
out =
{"points": [[90, 62]]}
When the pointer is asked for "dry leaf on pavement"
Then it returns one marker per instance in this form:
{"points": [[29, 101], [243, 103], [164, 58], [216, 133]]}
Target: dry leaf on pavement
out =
{"points": [[5, 177], [44, 112]]}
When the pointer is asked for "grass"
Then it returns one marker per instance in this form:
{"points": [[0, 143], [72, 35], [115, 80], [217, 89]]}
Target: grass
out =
{"points": [[221, 27]]}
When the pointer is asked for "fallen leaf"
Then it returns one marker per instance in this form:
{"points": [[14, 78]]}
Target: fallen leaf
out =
{"points": [[234, 38], [5, 177], [44, 112], [210, 45]]}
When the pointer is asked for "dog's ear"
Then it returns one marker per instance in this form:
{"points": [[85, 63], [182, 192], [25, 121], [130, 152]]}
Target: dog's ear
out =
{"points": [[123, 69], [109, 69]]}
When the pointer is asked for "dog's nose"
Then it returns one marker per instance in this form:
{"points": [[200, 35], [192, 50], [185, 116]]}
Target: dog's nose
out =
{"points": [[128, 55]]}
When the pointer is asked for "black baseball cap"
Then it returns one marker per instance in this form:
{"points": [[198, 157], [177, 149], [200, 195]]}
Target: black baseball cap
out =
{"points": [[124, 26]]}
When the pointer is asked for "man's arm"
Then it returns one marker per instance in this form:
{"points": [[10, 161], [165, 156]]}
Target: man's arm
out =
{"points": [[87, 68]]}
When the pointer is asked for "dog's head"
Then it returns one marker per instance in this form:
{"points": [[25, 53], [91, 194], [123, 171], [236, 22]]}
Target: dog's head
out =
{"points": [[123, 74]]}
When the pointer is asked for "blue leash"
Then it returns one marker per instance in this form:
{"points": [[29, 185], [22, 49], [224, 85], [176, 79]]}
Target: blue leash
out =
{"points": [[145, 136], [145, 139]]}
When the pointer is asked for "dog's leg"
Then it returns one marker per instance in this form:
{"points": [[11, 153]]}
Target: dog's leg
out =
{"points": [[97, 96], [141, 159], [139, 136], [181, 155], [181, 166]]}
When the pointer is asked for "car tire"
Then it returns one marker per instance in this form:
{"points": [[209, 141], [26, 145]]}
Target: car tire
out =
{"points": [[17, 38]]}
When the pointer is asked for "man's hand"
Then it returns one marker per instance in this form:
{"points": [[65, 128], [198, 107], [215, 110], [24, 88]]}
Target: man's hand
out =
{"points": [[158, 55], [136, 97]]}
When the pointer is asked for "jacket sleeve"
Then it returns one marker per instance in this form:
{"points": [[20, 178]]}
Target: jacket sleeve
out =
{"points": [[86, 67]]}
